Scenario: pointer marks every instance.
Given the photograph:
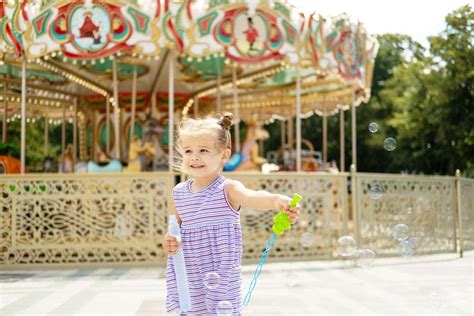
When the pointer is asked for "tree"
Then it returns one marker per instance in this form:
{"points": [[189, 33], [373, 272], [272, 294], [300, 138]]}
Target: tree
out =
{"points": [[433, 101]]}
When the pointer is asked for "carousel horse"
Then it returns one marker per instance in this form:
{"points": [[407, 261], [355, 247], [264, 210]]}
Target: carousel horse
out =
{"points": [[248, 158], [104, 165], [137, 149]]}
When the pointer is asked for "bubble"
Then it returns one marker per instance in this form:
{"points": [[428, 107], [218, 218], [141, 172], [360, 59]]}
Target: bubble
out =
{"points": [[415, 241], [389, 144], [373, 127], [346, 246], [428, 145], [364, 257], [306, 239], [376, 192], [407, 248], [400, 232], [224, 308], [212, 280], [409, 210]]}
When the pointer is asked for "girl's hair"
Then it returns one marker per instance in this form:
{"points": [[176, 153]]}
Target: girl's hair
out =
{"points": [[216, 127]]}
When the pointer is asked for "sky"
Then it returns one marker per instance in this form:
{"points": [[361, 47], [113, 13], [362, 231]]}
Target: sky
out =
{"points": [[417, 18]]}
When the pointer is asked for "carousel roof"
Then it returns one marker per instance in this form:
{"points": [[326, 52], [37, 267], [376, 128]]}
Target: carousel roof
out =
{"points": [[70, 48]]}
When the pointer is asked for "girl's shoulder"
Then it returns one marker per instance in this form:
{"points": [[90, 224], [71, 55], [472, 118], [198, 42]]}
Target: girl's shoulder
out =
{"points": [[181, 186]]}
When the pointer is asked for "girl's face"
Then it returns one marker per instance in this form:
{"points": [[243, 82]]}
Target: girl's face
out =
{"points": [[201, 157]]}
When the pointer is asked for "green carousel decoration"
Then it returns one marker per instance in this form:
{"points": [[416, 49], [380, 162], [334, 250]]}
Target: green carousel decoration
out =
{"points": [[125, 71]]}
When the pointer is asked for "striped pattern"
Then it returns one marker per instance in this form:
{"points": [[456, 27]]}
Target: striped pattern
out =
{"points": [[212, 242]]}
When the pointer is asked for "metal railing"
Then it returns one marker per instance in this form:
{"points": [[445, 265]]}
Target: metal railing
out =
{"points": [[109, 219]]}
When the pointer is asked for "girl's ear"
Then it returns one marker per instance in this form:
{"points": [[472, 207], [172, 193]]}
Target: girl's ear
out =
{"points": [[226, 154]]}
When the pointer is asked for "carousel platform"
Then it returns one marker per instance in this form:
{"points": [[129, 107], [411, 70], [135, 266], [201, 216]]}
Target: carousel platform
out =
{"points": [[421, 285]]}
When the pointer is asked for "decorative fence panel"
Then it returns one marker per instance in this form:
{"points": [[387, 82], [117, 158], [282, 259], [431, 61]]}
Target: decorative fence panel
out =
{"points": [[467, 207], [324, 216], [83, 219], [107, 219], [425, 204]]}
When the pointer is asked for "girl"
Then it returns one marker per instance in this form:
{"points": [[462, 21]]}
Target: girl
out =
{"points": [[207, 208]]}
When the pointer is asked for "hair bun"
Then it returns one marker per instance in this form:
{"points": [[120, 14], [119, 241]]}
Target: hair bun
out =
{"points": [[226, 120]]}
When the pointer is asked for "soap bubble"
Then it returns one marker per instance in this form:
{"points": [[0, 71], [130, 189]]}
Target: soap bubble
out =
{"points": [[346, 246], [409, 210], [414, 240], [212, 280], [306, 239], [407, 248], [376, 192], [364, 257], [373, 127], [224, 308], [390, 144], [400, 232]]}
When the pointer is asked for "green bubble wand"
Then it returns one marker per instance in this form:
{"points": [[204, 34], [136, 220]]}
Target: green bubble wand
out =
{"points": [[281, 222]]}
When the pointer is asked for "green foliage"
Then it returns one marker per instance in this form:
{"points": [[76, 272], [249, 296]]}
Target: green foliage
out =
{"points": [[34, 147], [422, 98]]}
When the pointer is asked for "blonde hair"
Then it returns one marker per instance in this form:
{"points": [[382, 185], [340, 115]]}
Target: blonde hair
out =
{"points": [[216, 127]]}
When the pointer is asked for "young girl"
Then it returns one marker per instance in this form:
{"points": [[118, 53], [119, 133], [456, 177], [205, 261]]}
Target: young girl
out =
{"points": [[207, 208]]}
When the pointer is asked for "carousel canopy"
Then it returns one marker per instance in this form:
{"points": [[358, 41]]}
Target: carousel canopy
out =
{"points": [[256, 48]]}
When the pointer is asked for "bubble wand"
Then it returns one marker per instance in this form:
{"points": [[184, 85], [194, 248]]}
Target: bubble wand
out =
{"points": [[281, 222]]}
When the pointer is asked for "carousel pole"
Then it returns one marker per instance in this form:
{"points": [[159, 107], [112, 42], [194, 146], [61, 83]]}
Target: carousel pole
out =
{"points": [[63, 139], [282, 134], [74, 132], [196, 106], [298, 119], [93, 132], [134, 104], [116, 109], [236, 109], [107, 124], [342, 161], [218, 101], [171, 112], [354, 131], [325, 138], [46, 136], [5, 109], [23, 114]]}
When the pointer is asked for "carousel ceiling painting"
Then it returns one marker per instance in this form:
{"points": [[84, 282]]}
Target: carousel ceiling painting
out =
{"points": [[257, 49]]}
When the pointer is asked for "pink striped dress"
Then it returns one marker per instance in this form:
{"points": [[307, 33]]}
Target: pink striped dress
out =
{"points": [[212, 243]]}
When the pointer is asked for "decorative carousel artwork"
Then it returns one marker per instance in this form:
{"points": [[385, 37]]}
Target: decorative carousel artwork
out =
{"points": [[90, 28]]}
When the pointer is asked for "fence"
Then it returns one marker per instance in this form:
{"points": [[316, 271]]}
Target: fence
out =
{"points": [[108, 219]]}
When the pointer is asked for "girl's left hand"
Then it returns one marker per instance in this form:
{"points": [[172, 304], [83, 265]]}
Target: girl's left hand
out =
{"points": [[282, 203]]}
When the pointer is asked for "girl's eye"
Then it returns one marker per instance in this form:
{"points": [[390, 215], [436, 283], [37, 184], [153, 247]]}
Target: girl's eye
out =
{"points": [[187, 151], [204, 150]]}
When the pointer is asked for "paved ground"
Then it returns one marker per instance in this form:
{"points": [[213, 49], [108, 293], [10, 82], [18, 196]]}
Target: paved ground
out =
{"points": [[430, 285]]}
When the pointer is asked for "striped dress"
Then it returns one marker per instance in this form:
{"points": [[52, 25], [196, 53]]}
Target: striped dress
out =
{"points": [[212, 243]]}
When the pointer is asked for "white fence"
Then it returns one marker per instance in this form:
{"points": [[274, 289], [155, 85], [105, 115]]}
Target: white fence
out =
{"points": [[108, 219]]}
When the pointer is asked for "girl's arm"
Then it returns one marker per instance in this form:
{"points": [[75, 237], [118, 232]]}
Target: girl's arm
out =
{"points": [[239, 195]]}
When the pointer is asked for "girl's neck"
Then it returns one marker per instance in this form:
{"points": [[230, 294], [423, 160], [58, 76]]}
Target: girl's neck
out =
{"points": [[201, 183]]}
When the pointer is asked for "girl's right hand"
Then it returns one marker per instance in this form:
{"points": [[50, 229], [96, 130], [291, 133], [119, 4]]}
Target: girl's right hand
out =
{"points": [[170, 245]]}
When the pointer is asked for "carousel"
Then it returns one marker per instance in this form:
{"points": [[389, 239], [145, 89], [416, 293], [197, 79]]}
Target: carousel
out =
{"points": [[115, 77], [123, 73]]}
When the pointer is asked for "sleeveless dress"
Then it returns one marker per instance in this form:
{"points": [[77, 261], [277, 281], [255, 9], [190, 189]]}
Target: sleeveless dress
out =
{"points": [[212, 243]]}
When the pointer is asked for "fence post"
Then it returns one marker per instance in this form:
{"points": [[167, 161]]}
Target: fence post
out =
{"points": [[355, 211], [459, 212]]}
